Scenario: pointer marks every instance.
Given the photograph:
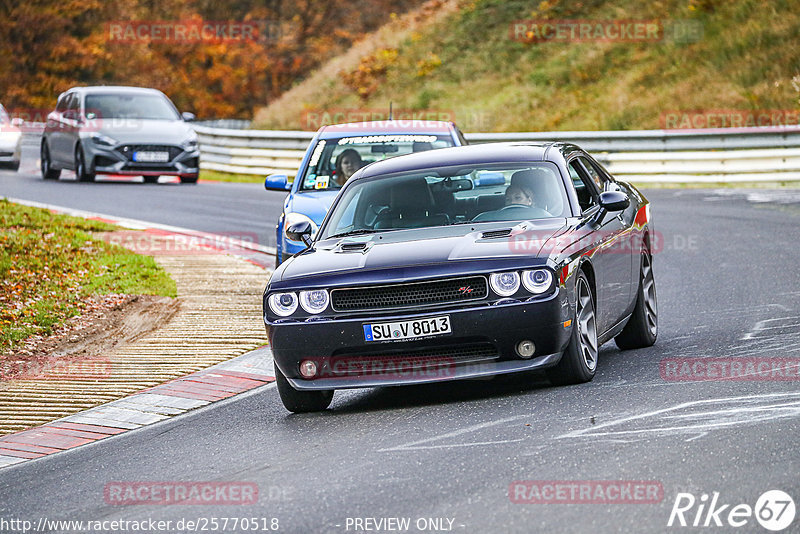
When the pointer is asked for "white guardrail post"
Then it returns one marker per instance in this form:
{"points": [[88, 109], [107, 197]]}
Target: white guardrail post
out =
{"points": [[714, 155]]}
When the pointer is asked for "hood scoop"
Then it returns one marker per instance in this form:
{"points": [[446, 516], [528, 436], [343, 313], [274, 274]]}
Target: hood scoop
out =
{"points": [[495, 234], [356, 246]]}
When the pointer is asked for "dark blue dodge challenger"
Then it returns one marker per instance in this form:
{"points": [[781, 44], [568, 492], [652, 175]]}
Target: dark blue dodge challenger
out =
{"points": [[417, 276]]}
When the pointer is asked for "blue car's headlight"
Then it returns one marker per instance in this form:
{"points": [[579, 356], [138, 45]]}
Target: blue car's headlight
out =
{"points": [[504, 284], [282, 304], [314, 301], [537, 281]]}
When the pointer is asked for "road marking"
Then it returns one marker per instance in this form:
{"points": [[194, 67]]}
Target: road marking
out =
{"points": [[733, 411], [417, 445]]}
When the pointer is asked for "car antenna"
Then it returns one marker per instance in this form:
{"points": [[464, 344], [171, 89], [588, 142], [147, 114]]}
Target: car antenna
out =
{"points": [[390, 110]]}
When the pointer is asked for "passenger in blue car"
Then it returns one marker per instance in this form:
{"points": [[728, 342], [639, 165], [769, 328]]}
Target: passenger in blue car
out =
{"points": [[347, 163]]}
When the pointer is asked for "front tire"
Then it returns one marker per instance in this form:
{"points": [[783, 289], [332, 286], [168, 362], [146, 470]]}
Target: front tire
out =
{"points": [[150, 179], [81, 170], [48, 172], [191, 179], [578, 364], [301, 401], [642, 328]]}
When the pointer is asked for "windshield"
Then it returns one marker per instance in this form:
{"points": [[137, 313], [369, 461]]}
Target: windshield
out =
{"points": [[335, 160], [131, 106], [448, 195]]}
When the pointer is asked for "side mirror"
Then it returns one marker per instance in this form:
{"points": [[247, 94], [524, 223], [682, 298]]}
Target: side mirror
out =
{"points": [[277, 182], [188, 117], [17, 122], [614, 201], [300, 231]]}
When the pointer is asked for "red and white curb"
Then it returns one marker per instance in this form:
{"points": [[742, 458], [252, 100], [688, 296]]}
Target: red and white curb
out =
{"points": [[241, 374]]}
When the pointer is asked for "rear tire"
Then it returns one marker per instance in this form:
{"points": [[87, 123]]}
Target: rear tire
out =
{"points": [[81, 171], [642, 328], [578, 364], [301, 401], [191, 179], [48, 172]]}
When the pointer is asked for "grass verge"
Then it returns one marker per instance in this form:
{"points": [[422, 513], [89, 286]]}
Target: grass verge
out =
{"points": [[50, 263], [219, 176]]}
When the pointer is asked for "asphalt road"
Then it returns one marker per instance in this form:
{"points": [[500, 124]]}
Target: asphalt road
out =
{"points": [[245, 211], [727, 287]]}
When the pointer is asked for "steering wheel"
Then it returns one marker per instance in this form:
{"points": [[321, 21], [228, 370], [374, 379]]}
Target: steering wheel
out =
{"points": [[514, 206]]}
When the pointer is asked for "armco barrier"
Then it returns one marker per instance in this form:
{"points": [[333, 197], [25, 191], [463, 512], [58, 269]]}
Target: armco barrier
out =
{"points": [[713, 155]]}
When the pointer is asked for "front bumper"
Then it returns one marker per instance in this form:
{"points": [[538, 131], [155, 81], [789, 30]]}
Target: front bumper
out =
{"points": [[111, 160], [10, 147], [502, 325]]}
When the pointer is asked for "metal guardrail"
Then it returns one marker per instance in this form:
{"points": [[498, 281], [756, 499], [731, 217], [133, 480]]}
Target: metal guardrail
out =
{"points": [[714, 155]]}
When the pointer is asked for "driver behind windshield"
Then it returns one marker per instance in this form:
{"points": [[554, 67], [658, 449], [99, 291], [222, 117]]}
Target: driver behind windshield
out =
{"points": [[519, 195], [347, 163]]}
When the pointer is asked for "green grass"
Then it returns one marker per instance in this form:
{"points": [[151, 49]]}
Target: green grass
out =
{"points": [[745, 59], [218, 176], [50, 263]]}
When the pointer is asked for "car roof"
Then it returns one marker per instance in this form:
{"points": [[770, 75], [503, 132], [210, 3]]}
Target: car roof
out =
{"points": [[119, 89], [401, 126], [461, 155]]}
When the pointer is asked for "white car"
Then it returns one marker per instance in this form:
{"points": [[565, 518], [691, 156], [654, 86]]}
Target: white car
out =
{"points": [[10, 140]]}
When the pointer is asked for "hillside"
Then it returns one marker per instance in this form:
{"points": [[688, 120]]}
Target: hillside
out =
{"points": [[459, 58]]}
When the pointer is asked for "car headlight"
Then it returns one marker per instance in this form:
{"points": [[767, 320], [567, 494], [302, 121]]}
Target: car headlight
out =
{"points": [[283, 304], [103, 140], [504, 284], [537, 281], [293, 218], [314, 301], [190, 143]]}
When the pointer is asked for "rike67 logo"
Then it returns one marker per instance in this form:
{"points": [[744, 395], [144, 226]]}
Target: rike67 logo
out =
{"points": [[774, 510]]}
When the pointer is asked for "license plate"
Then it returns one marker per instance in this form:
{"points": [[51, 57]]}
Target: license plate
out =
{"points": [[151, 157], [431, 326]]}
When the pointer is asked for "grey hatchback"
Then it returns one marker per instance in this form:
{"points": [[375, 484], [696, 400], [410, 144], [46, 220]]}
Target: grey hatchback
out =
{"points": [[119, 130]]}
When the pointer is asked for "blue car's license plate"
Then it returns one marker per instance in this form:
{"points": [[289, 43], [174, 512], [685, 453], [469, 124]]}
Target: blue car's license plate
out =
{"points": [[430, 326]]}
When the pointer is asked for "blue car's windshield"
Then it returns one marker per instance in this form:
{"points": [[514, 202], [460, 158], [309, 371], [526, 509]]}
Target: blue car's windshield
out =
{"points": [[333, 161], [448, 195]]}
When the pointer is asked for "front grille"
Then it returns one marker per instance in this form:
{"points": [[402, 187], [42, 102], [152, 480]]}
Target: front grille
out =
{"points": [[408, 295], [128, 150], [391, 364]]}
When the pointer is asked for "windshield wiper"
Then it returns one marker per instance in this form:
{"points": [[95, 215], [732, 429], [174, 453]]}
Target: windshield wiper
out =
{"points": [[355, 232]]}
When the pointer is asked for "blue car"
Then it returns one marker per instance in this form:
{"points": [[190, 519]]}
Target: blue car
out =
{"points": [[335, 153]]}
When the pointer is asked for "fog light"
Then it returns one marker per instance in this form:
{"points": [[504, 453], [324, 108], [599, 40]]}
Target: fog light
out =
{"points": [[308, 368], [526, 348]]}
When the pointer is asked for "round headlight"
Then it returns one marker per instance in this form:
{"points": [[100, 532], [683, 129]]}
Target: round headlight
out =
{"points": [[504, 284], [283, 304], [293, 218], [537, 281], [314, 301]]}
